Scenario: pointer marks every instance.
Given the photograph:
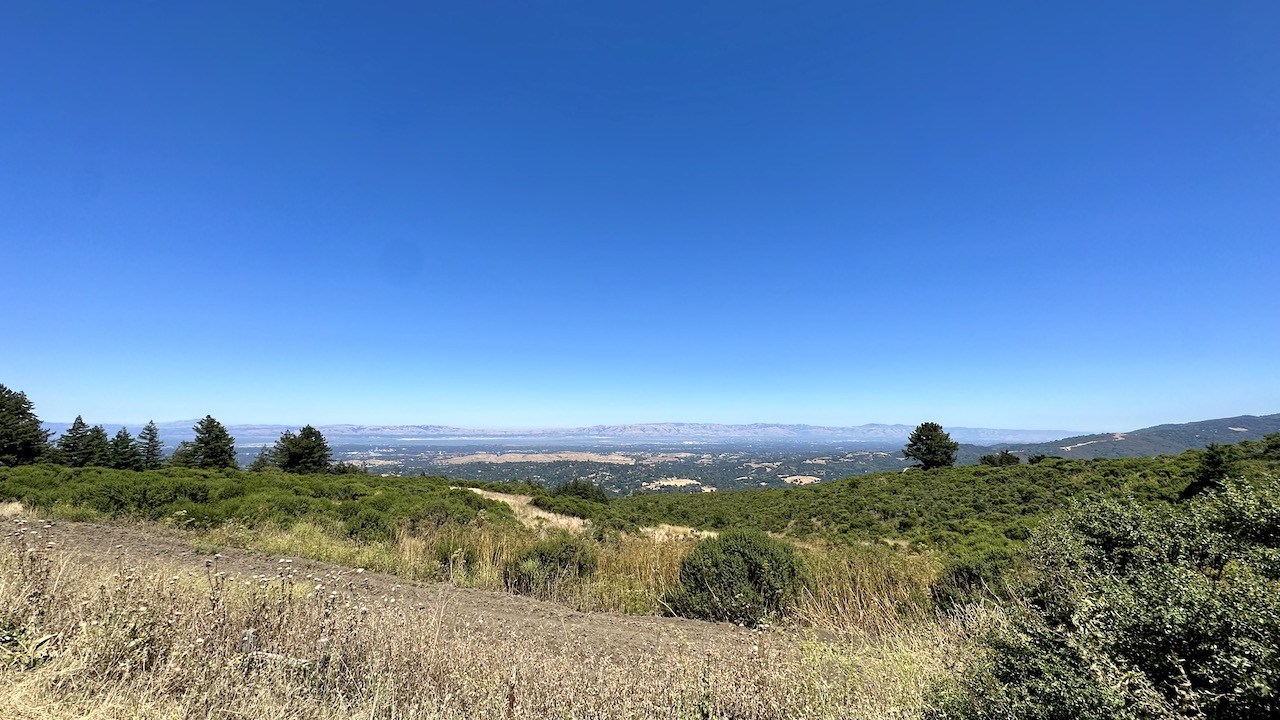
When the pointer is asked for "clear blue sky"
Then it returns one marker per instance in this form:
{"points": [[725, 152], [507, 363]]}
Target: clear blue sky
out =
{"points": [[1015, 214]]}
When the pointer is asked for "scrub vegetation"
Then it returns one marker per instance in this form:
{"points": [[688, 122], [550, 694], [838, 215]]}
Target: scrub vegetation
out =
{"points": [[1127, 588]]}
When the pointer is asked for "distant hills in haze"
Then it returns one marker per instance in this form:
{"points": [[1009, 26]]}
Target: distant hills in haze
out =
{"points": [[1157, 440], [877, 434]]}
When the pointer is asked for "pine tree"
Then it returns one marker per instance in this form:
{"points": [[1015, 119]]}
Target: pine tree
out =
{"points": [[97, 448], [213, 446], [183, 455], [306, 452], [72, 443], [123, 454], [150, 449], [933, 447], [265, 461], [23, 440]]}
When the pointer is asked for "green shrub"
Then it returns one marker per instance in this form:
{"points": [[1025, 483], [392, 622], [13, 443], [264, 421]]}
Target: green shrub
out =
{"points": [[369, 525], [583, 490], [742, 576], [549, 565], [1140, 611]]}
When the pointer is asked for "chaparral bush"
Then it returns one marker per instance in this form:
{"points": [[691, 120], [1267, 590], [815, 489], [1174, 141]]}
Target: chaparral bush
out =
{"points": [[742, 576]]}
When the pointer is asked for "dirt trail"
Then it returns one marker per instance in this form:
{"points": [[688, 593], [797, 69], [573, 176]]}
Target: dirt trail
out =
{"points": [[149, 547]]}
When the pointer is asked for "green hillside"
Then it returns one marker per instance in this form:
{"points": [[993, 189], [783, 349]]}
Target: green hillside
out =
{"points": [[1168, 439]]}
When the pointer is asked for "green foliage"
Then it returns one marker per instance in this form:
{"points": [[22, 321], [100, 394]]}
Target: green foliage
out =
{"points": [[22, 438], [1000, 459], [306, 452], [96, 451], [213, 446], [1270, 449], [582, 489], [549, 566], [71, 445], [579, 498], [972, 514], [742, 576], [1139, 611], [123, 452], [369, 508], [931, 446], [150, 448]]}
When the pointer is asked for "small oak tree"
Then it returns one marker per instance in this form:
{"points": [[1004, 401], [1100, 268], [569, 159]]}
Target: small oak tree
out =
{"points": [[931, 446]]}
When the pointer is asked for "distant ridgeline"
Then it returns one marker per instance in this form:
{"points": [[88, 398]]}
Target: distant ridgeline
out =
{"points": [[1152, 441]]}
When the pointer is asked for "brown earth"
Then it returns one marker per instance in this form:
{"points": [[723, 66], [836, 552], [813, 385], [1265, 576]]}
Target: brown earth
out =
{"points": [[155, 548]]}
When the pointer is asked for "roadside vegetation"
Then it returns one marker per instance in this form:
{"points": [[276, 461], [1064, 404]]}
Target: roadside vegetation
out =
{"points": [[1128, 588]]}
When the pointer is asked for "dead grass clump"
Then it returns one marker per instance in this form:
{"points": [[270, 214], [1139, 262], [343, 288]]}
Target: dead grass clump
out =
{"points": [[156, 641]]}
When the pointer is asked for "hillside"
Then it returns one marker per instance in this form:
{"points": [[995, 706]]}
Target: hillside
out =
{"points": [[1158, 440]]}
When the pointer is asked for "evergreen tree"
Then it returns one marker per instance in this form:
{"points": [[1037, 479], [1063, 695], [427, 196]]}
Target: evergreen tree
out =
{"points": [[183, 455], [1002, 458], [266, 460], [930, 445], [23, 440], [150, 449], [72, 443], [97, 448], [213, 446], [124, 454], [306, 452]]}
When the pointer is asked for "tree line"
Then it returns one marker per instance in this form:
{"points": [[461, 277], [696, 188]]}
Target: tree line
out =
{"points": [[25, 441]]}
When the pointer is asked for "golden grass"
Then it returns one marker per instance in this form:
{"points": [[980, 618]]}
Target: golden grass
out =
{"points": [[159, 642]]}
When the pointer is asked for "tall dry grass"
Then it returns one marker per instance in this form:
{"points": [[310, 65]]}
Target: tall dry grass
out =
{"points": [[854, 588], [156, 642]]}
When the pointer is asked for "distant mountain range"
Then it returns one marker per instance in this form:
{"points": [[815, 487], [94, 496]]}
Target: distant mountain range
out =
{"points": [[876, 434], [1157, 440]]}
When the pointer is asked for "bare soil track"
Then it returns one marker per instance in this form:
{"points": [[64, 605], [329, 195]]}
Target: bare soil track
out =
{"points": [[149, 547]]}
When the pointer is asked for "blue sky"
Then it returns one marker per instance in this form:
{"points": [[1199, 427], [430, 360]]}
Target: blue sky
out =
{"points": [[522, 214]]}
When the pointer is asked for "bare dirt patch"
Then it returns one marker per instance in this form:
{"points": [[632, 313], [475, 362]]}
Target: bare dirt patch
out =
{"points": [[150, 547], [531, 516], [613, 458]]}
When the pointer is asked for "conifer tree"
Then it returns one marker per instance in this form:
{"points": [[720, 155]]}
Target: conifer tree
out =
{"points": [[97, 448], [124, 454], [265, 461], [933, 447], [72, 443], [306, 452], [150, 448], [213, 446], [23, 440]]}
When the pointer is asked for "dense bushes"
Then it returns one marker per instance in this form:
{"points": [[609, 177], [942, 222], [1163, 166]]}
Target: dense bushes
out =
{"points": [[742, 576], [366, 508], [549, 566], [1136, 611]]}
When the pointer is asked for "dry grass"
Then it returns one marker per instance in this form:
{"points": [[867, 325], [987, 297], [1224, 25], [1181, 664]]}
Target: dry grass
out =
{"points": [[855, 589], [155, 642], [534, 517]]}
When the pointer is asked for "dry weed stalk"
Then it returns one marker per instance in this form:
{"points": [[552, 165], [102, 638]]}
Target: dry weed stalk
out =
{"points": [[153, 642]]}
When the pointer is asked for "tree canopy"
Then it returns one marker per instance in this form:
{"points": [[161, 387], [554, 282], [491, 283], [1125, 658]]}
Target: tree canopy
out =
{"points": [[931, 446], [22, 438], [213, 446]]}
